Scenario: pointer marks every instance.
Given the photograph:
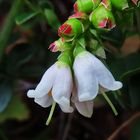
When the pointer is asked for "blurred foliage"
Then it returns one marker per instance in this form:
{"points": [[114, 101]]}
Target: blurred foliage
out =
{"points": [[27, 27]]}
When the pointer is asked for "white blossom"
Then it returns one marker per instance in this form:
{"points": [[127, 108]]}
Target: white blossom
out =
{"points": [[58, 80], [91, 74]]}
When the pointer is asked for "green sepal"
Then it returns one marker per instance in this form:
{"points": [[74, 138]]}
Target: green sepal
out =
{"points": [[77, 50], [96, 48], [65, 58], [63, 46]]}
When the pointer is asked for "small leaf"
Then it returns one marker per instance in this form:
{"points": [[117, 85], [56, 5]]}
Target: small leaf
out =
{"points": [[5, 96], [15, 110], [52, 18], [24, 17], [101, 52]]}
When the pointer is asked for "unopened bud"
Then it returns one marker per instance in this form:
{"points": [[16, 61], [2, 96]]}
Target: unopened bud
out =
{"points": [[102, 18], [71, 29], [136, 2], [60, 45]]}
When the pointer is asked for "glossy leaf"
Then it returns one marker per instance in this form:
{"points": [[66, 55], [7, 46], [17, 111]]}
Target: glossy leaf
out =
{"points": [[25, 17], [51, 18], [5, 96], [15, 110]]}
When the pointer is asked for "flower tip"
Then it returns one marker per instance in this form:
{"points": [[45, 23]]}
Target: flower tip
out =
{"points": [[117, 85], [135, 1], [105, 4], [53, 47], [65, 105], [65, 29], [31, 93], [75, 6], [106, 23], [103, 23]]}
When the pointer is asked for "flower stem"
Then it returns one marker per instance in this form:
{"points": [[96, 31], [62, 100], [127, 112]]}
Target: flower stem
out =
{"points": [[51, 113], [110, 103]]}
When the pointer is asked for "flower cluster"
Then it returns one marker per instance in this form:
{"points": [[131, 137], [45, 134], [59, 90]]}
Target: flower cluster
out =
{"points": [[78, 75]]}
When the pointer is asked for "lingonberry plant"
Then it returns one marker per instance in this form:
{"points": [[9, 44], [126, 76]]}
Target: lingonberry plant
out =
{"points": [[79, 75], [88, 55]]}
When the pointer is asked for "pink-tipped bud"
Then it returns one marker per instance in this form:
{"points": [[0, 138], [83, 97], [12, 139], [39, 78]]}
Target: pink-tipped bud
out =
{"points": [[53, 47], [60, 45], [75, 6], [135, 2], [65, 29], [102, 18], [71, 29], [107, 4]]}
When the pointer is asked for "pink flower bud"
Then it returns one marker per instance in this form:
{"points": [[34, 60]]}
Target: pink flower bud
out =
{"points": [[60, 45], [53, 47], [71, 29], [102, 18], [135, 2]]}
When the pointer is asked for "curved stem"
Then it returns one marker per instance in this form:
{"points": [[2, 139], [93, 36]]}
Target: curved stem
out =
{"points": [[110, 104], [51, 113]]}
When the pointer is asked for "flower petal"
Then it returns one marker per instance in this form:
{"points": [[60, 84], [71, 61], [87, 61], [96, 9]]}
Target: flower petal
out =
{"points": [[62, 88], [46, 82], [104, 76], [85, 108], [64, 104], [31, 93], [44, 101], [85, 78]]}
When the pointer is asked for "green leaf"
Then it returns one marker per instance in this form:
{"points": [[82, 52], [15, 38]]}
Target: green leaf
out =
{"points": [[5, 96], [15, 110], [52, 18], [24, 17]]}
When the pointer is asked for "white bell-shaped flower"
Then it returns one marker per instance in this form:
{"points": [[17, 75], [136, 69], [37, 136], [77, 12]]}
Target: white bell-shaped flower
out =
{"points": [[91, 74], [58, 80]]}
